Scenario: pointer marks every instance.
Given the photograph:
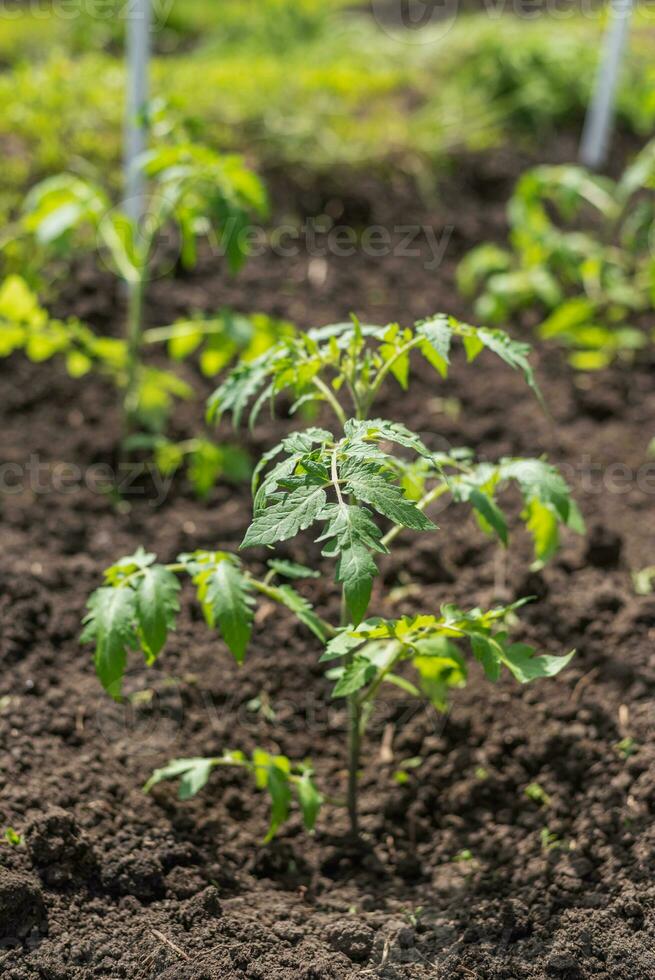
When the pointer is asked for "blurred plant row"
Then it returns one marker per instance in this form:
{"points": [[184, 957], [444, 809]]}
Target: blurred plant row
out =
{"points": [[344, 94], [578, 267]]}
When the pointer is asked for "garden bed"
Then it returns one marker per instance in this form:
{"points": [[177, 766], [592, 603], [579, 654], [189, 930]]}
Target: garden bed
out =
{"points": [[464, 874]]}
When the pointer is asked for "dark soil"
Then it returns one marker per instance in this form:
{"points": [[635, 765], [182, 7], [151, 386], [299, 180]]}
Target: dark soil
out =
{"points": [[463, 875]]}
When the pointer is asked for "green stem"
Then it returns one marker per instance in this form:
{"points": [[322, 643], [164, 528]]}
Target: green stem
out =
{"points": [[354, 740], [186, 328], [386, 368], [134, 336], [331, 399]]}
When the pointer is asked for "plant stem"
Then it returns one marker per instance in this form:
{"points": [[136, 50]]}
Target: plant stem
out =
{"points": [[385, 369], [330, 398], [134, 332], [186, 328], [354, 741]]}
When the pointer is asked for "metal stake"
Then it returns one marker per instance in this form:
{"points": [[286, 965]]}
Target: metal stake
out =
{"points": [[138, 60], [597, 133]]}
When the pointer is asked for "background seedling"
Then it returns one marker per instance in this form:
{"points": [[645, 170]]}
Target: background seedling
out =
{"points": [[12, 837], [537, 794], [194, 192], [590, 271]]}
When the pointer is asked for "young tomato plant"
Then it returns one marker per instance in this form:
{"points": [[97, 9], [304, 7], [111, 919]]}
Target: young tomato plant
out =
{"points": [[580, 251], [192, 189], [357, 488]]}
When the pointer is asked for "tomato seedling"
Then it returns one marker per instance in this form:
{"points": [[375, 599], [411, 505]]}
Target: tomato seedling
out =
{"points": [[580, 251], [357, 488], [198, 193]]}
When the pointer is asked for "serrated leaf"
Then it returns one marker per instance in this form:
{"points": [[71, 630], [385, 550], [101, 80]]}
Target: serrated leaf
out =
{"points": [[355, 676], [356, 571], [512, 352], [224, 593], [239, 387], [347, 524], [341, 645], [541, 481], [294, 513], [110, 623], [438, 336], [157, 608], [352, 533], [525, 666], [367, 484], [377, 429], [195, 772]]}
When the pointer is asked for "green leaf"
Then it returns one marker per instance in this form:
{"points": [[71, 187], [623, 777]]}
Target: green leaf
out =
{"points": [[341, 645], [438, 336], [490, 512], [541, 481], [192, 773], [367, 484], [542, 524], [440, 666], [521, 660], [239, 387], [348, 524], [512, 352], [356, 675], [356, 571], [280, 521], [261, 761], [310, 800], [278, 788], [643, 580], [157, 608], [352, 533], [223, 591], [195, 779], [110, 623], [485, 651], [379, 429]]}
